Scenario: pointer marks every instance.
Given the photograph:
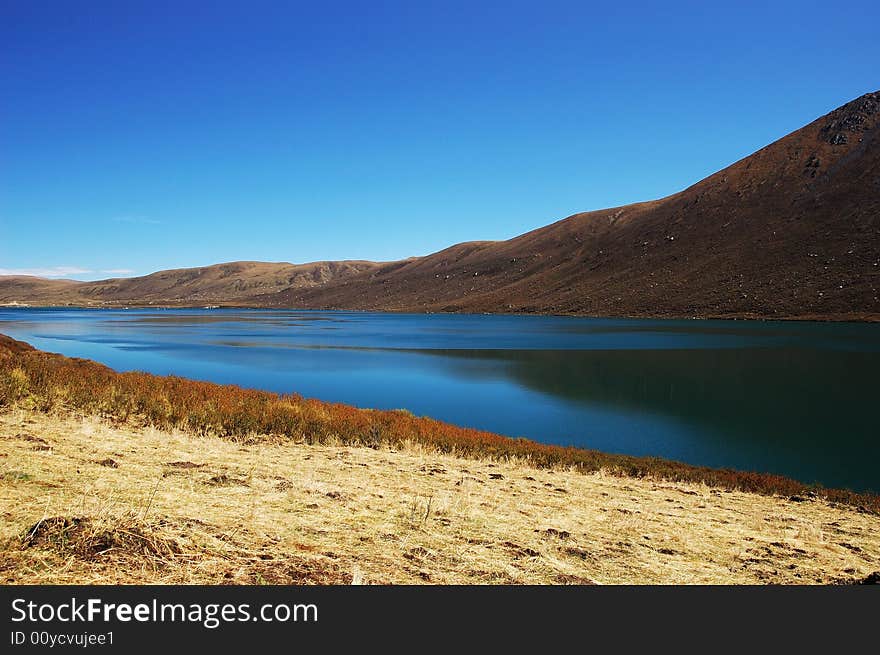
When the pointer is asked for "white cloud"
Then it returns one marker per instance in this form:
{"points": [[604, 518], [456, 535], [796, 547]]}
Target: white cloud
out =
{"points": [[51, 271], [118, 271]]}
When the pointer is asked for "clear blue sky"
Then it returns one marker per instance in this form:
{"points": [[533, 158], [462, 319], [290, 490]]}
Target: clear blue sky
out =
{"points": [[140, 136]]}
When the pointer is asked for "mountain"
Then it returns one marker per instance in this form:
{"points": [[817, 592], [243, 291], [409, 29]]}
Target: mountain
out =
{"points": [[792, 231], [232, 283]]}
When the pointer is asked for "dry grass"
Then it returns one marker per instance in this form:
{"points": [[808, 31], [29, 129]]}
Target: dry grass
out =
{"points": [[181, 508], [132, 478]]}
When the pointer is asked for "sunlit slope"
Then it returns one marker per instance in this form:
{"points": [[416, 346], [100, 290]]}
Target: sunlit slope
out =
{"points": [[792, 231]]}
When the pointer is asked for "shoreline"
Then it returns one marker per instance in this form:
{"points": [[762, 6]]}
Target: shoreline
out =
{"points": [[854, 317], [50, 382], [126, 478]]}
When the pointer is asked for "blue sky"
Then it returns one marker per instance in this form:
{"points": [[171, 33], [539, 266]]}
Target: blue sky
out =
{"points": [[141, 136]]}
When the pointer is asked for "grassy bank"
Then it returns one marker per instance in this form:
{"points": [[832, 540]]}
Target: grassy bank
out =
{"points": [[87, 500], [48, 382]]}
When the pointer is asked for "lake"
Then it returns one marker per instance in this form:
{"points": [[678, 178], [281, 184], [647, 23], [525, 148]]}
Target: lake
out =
{"points": [[800, 399]]}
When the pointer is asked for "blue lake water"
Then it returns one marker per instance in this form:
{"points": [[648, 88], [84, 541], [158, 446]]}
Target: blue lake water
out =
{"points": [[800, 399]]}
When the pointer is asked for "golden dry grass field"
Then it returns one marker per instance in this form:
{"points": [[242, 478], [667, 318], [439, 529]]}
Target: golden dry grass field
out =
{"points": [[83, 500]]}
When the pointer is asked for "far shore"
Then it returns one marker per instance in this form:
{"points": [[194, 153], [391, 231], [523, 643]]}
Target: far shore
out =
{"points": [[850, 317]]}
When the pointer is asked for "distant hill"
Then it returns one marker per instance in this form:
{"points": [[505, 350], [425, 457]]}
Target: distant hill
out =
{"points": [[232, 283], [792, 231]]}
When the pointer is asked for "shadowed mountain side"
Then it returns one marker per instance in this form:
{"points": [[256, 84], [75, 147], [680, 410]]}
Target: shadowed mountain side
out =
{"points": [[792, 231]]}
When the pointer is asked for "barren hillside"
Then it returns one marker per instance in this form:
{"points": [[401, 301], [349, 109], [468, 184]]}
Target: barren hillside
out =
{"points": [[792, 231]]}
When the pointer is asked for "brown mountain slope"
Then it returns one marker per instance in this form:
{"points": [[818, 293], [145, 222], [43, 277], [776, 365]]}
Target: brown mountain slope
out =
{"points": [[236, 282], [791, 231], [37, 290]]}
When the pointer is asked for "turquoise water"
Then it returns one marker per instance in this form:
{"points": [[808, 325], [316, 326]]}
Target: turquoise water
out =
{"points": [[800, 399]]}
